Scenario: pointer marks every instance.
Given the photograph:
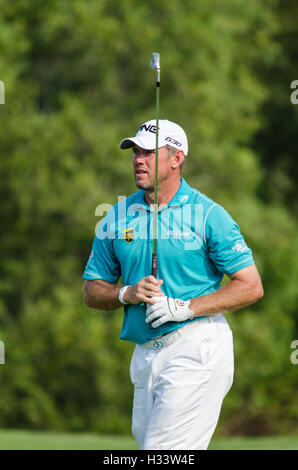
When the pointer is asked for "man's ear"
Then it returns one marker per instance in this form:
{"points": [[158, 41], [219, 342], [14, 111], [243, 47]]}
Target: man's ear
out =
{"points": [[177, 159]]}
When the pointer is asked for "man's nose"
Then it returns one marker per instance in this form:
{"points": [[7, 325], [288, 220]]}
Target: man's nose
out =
{"points": [[139, 157]]}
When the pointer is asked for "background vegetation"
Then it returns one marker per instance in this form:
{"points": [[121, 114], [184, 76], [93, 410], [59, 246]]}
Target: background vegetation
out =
{"points": [[78, 80]]}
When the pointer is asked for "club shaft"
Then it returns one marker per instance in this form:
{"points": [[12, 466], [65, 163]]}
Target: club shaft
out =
{"points": [[154, 254]]}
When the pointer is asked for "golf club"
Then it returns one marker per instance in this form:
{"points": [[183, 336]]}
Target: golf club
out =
{"points": [[155, 64]]}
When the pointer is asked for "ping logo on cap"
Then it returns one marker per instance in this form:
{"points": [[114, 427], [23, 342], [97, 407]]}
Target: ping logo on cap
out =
{"points": [[148, 128]]}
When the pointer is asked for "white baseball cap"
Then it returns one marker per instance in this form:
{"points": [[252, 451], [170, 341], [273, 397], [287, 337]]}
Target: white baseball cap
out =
{"points": [[169, 133]]}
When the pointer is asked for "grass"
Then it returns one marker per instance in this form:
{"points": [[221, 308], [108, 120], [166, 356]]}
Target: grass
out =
{"points": [[255, 443], [41, 440]]}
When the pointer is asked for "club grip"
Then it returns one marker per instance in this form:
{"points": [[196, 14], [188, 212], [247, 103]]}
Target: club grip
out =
{"points": [[154, 270], [154, 265]]}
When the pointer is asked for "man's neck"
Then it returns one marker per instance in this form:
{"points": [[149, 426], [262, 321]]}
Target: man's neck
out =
{"points": [[165, 193]]}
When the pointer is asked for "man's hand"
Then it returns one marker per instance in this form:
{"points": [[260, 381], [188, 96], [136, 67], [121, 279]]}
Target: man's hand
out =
{"points": [[168, 309], [144, 291]]}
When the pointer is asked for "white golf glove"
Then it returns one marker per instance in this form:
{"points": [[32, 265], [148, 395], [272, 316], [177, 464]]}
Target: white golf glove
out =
{"points": [[168, 309]]}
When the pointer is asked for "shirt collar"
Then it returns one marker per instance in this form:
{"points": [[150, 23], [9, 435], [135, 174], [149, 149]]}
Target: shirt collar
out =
{"points": [[181, 197]]}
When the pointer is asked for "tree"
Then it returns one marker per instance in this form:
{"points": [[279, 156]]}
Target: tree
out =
{"points": [[78, 79]]}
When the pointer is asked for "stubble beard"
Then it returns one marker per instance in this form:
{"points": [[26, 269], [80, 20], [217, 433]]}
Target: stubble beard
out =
{"points": [[146, 187], [149, 187]]}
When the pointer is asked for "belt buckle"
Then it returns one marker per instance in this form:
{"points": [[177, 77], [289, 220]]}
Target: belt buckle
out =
{"points": [[158, 344]]}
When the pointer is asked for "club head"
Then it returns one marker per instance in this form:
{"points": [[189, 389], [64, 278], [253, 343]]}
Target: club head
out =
{"points": [[155, 62]]}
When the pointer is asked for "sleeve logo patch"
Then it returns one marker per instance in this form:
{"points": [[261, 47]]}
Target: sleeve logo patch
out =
{"points": [[240, 247]]}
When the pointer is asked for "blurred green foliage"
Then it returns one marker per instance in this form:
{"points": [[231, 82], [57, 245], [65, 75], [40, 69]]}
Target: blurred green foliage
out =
{"points": [[77, 80]]}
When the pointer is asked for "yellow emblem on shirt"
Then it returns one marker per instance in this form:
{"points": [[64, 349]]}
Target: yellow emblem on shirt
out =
{"points": [[128, 235]]}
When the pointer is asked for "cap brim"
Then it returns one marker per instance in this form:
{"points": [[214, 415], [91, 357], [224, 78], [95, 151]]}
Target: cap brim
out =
{"points": [[147, 144]]}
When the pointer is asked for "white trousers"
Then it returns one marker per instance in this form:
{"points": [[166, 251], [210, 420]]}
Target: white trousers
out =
{"points": [[178, 390]]}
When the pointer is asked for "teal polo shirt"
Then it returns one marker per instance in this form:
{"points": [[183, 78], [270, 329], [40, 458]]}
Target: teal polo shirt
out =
{"points": [[197, 243]]}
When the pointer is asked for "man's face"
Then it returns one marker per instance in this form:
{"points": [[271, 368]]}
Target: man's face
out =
{"points": [[144, 166]]}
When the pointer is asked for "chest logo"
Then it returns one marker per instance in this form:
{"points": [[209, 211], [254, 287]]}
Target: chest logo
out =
{"points": [[128, 235]]}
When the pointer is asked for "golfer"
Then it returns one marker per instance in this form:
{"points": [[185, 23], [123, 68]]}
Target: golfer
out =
{"points": [[182, 365]]}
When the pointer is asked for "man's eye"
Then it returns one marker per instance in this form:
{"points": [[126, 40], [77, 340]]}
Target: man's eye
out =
{"points": [[143, 152]]}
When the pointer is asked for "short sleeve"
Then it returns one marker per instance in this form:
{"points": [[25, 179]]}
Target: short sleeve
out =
{"points": [[103, 263], [227, 247]]}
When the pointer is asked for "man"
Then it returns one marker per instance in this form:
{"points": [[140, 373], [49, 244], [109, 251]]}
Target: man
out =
{"points": [[182, 365]]}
